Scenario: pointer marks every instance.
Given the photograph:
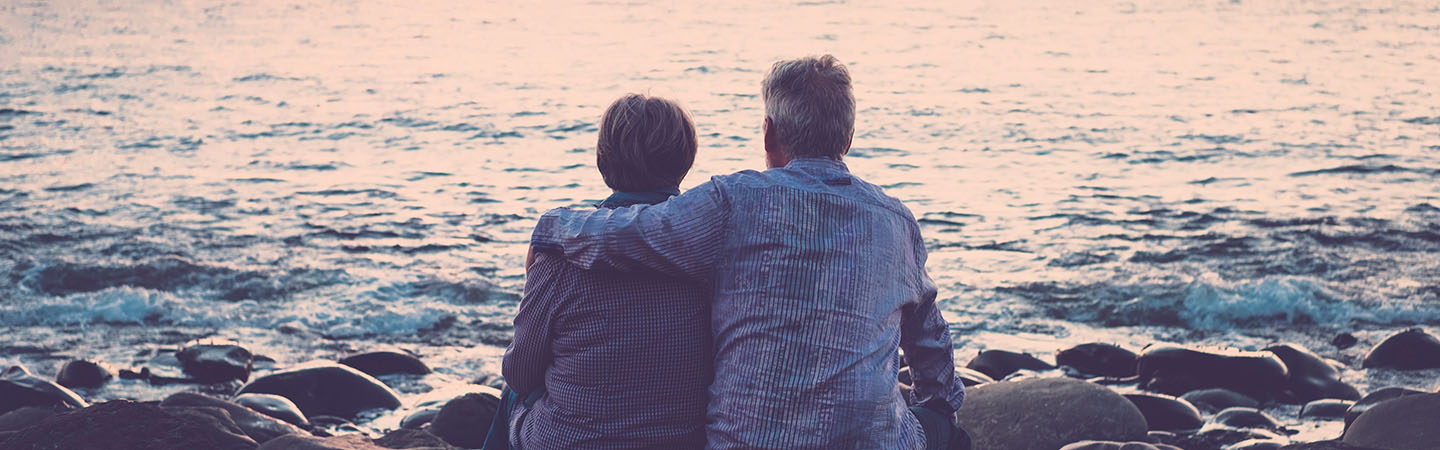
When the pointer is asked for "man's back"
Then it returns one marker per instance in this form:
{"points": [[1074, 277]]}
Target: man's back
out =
{"points": [[818, 276]]}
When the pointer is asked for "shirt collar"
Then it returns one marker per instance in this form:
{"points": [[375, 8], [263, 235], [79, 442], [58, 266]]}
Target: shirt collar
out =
{"points": [[623, 199], [818, 165]]}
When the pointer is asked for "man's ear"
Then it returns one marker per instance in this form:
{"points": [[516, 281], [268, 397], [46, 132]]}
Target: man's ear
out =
{"points": [[848, 141]]}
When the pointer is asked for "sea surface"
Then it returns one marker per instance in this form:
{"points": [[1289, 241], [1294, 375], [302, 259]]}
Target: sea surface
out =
{"points": [[317, 177]]}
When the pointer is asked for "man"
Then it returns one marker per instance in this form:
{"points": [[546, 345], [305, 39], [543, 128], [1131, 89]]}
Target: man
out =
{"points": [[818, 277], [619, 360]]}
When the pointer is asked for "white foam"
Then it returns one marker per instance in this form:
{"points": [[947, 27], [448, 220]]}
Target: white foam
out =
{"points": [[1216, 304], [120, 305]]}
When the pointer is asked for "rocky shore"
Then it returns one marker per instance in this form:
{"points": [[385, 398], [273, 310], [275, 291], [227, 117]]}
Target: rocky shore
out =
{"points": [[1090, 397]]}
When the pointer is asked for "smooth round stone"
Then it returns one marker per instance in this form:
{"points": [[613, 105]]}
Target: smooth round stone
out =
{"points": [[18, 388], [1326, 445], [274, 406], [1111, 445], [1216, 399], [1310, 376], [23, 417], [123, 424], [1411, 349], [1344, 340], [346, 442], [326, 389], [1104, 360], [971, 377], [998, 364], [1046, 414], [419, 418], [1219, 437], [256, 425], [1374, 398], [1407, 423], [80, 373], [386, 363], [1325, 408], [1256, 444], [1175, 370], [1167, 413], [211, 361], [218, 424], [408, 438], [456, 421], [1240, 417]]}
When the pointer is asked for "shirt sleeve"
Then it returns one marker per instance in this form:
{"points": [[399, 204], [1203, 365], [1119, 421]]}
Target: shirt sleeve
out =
{"points": [[529, 354], [679, 237], [925, 337]]}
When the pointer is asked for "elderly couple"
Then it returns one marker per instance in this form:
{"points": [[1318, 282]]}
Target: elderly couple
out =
{"points": [[759, 310]]}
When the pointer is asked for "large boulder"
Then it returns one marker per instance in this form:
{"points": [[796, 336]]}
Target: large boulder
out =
{"points": [[1310, 376], [211, 361], [1166, 413], [129, 425], [412, 439], [386, 363], [1407, 350], [462, 421], [1046, 414], [1374, 398], [1406, 423], [297, 442], [218, 423], [81, 373], [274, 406], [326, 389], [1105, 360], [1175, 370], [18, 388], [257, 426], [26, 416], [998, 364]]}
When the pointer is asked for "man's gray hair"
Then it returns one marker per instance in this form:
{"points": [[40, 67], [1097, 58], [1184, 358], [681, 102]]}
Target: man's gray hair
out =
{"points": [[811, 106]]}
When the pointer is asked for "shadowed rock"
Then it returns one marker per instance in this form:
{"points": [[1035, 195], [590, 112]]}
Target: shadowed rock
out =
{"points": [[29, 415], [386, 363], [1411, 349], [1046, 414], [1406, 423], [998, 364], [129, 425], [1111, 445], [214, 361], [412, 439], [80, 373], [1098, 359], [18, 388], [1240, 417], [296, 442], [1325, 445], [1375, 398], [971, 377], [419, 418], [1325, 408], [1216, 399], [326, 389], [1310, 377], [1167, 413], [456, 421], [257, 426], [1218, 438], [1256, 444], [274, 406], [1175, 370], [1344, 340]]}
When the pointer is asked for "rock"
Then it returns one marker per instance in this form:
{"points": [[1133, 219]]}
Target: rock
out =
{"points": [[998, 364], [419, 418], [386, 363], [164, 368], [210, 361], [1411, 422], [218, 423], [1175, 370], [1098, 359], [296, 442], [23, 417], [457, 421], [1046, 414], [1241, 417], [1218, 438], [1325, 408], [1344, 340], [257, 426], [904, 376], [411, 439], [274, 406], [124, 424], [18, 388], [1167, 413], [1310, 377], [498, 382], [1216, 399], [971, 377], [80, 373], [1256, 444], [1111, 445], [1411, 349], [1325, 445], [326, 389], [1375, 398]]}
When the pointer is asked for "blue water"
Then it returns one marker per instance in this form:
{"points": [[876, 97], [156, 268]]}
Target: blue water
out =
{"points": [[313, 177]]}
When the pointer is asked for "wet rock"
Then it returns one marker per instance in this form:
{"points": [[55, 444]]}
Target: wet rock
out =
{"points": [[971, 377], [412, 439], [1046, 414], [164, 368], [1411, 422], [1098, 359], [1325, 445], [1112, 445], [418, 419], [386, 363], [1216, 399], [26, 416], [1167, 413], [296, 442], [210, 361], [128, 425], [1256, 444], [18, 388], [495, 381], [218, 423], [456, 421], [80, 373], [1411, 349], [998, 364], [1375, 398], [274, 406], [1310, 377], [326, 389], [1241, 417], [1344, 340], [1325, 408], [1175, 370], [1218, 438], [257, 426]]}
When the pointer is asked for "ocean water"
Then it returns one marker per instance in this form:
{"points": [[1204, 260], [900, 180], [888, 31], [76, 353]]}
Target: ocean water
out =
{"points": [[317, 177]]}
